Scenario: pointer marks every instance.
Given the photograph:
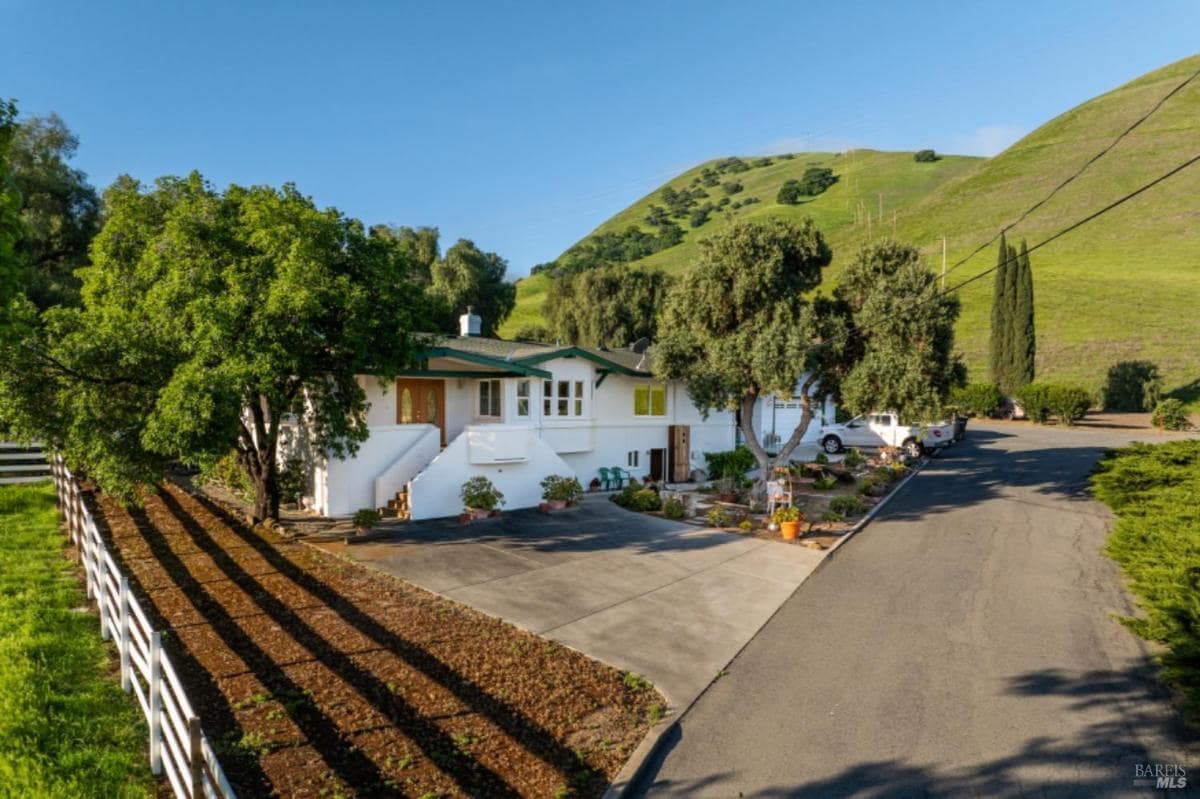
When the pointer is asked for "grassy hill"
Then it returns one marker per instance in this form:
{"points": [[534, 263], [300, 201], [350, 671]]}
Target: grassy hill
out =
{"points": [[1123, 287]]}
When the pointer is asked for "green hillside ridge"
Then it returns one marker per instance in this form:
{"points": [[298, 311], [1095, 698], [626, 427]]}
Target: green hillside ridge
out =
{"points": [[1126, 286]]}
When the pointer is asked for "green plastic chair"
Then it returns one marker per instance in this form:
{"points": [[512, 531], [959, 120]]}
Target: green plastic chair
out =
{"points": [[619, 476], [605, 478]]}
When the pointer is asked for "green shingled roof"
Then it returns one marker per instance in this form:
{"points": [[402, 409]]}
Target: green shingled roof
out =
{"points": [[529, 354]]}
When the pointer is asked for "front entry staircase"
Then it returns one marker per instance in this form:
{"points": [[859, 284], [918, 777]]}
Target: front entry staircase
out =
{"points": [[397, 508]]}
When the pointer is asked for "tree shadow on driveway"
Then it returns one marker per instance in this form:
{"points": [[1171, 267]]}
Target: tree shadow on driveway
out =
{"points": [[1097, 761]]}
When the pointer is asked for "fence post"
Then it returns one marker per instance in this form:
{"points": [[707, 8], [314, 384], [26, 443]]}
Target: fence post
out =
{"points": [[101, 583], [155, 703], [195, 756], [124, 639]]}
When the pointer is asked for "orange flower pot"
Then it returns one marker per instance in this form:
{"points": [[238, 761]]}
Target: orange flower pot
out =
{"points": [[789, 530]]}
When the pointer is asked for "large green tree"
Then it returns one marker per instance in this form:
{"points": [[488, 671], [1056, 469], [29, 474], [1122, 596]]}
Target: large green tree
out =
{"points": [[746, 323], [467, 276], [903, 327], [210, 322], [59, 208], [1006, 350], [605, 307], [742, 326]]}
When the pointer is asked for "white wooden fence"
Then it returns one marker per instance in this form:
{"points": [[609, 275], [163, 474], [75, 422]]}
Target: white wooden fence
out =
{"points": [[178, 747], [21, 463]]}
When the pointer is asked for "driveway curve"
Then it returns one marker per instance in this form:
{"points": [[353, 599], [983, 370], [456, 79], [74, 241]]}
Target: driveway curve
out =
{"points": [[964, 644]]}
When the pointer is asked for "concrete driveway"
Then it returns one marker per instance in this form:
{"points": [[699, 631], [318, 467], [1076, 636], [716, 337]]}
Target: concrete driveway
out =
{"points": [[964, 644], [667, 600]]}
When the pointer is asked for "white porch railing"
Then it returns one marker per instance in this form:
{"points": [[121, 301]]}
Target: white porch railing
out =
{"points": [[178, 747]]}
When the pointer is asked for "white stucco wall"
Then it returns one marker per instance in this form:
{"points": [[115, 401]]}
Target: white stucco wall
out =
{"points": [[435, 492], [344, 486]]}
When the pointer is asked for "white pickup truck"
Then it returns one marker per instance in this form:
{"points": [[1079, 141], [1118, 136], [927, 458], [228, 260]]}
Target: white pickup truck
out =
{"points": [[884, 430]]}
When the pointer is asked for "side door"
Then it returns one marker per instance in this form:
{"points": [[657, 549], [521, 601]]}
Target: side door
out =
{"points": [[856, 432]]}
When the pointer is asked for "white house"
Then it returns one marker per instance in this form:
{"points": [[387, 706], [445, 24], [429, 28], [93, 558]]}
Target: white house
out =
{"points": [[515, 412], [775, 418]]}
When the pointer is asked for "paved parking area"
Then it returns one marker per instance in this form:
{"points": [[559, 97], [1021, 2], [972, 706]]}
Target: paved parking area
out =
{"points": [[667, 600]]}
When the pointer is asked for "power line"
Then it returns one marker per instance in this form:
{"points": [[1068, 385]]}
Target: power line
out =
{"points": [[1073, 226], [1154, 109]]}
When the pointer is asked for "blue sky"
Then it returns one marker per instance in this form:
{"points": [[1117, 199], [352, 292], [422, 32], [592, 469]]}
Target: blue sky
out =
{"points": [[524, 125]]}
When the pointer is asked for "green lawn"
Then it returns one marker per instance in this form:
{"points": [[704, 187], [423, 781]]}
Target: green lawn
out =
{"points": [[1155, 492], [66, 728]]}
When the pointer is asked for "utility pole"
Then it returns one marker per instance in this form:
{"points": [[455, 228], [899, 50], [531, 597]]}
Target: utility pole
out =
{"points": [[943, 263]]}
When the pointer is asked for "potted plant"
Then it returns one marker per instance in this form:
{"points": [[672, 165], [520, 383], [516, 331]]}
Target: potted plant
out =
{"points": [[788, 520], [559, 491], [364, 519], [480, 497]]}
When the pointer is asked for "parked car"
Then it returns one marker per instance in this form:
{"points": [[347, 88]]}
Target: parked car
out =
{"points": [[885, 430]]}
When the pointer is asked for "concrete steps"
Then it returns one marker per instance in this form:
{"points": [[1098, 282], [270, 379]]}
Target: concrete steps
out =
{"points": [[396, 508]]}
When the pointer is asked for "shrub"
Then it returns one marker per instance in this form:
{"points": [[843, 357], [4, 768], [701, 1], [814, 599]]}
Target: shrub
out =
{"points": [[699, 217], [1034, 399], [293, 479], [1169, 415], [832, 516], [745, 525], [478, 493], [873, 485], [763, 162], [1132, 386], [1153, 490], [730, 463], [925, 156], [1069, 404], [892, 472], [821, 459], [786, 514], [848, 505], [228, 473], [562, 489], [366, 518], [977, 399], [732, 187], [854, 458], [789, 193], [816, 179], [642, 500], [674, 509], [825, 482], [718, 517]]}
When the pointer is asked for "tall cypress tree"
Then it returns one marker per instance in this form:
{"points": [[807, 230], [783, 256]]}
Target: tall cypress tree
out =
{"points": [[1001, 340], [1024, 339]]}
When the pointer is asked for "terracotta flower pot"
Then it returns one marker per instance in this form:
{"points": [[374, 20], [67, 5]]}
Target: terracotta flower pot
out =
{"points": [[557, 504], [480, 513], [789, 530], [543, 507]]}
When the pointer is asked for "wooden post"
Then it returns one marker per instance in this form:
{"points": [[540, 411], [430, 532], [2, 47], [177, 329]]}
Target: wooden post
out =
{"points": [[195, 756], [155, 702], [124, 639]]}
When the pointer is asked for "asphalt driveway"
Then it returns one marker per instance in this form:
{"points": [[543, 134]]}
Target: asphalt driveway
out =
{"points": [[667, 600], [963, 644]]}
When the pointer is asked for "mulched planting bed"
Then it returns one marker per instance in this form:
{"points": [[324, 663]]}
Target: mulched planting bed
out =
{"points": [[316, 677]]}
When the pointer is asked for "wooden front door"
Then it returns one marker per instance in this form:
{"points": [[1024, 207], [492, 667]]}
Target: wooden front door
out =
{"points": [[421, 401], [679, 448]]}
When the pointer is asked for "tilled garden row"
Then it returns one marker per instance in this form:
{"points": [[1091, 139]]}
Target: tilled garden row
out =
{"points": [[315, 677]]}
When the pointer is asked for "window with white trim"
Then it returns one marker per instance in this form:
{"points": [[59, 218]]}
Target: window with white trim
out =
{"points": [[650, 400], [523, 398], [562, 398], [489, 399]]}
